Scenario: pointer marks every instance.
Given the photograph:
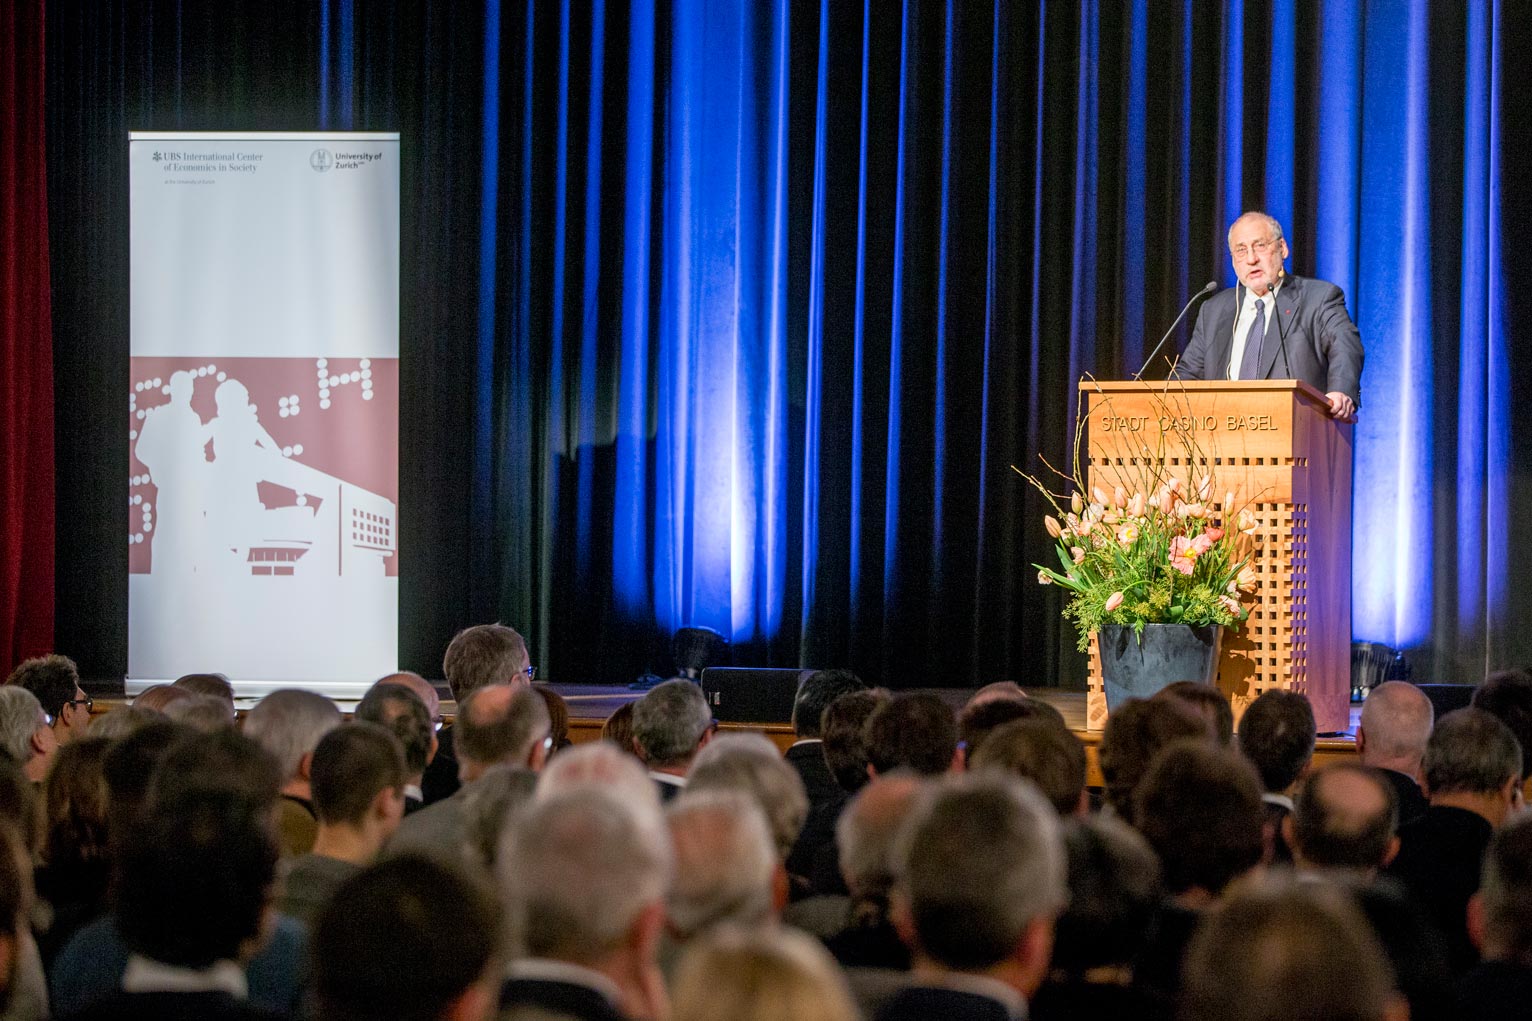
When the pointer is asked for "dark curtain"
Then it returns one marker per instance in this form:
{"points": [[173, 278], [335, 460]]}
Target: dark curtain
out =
{"points": [[737, 314], [26, 357]]}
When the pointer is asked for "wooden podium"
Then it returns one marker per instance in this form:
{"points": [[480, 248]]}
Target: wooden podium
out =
{"points": [[1275, 446]]}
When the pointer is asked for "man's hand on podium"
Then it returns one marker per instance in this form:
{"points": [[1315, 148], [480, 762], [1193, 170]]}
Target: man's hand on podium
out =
{"points": [[1341, 406]]}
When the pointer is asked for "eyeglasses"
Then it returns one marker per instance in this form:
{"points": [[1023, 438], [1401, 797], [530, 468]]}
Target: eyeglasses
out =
{"points": [[531, 673], [1257, 248], [87, 702]]}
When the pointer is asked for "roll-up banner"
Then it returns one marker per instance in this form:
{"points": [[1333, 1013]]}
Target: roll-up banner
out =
{"points": [[263, 414]]}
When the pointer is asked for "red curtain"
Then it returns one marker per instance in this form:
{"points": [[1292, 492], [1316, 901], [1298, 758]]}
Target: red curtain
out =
{"points": [[26, 344]]}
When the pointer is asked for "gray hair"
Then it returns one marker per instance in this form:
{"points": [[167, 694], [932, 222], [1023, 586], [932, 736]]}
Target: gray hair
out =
{"points": [[578, 870], [752, 764], [288, 723], [202, 712], [1397, 718], [725, 862], [1471, 751], [122, 721], [598, 765], [1272, 226], [492, 804], [20, 716], [869, 827], [980, 861], [669, 722]]}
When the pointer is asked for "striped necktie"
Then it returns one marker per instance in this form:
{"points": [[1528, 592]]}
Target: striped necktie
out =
{"points": [[1250, 362]]}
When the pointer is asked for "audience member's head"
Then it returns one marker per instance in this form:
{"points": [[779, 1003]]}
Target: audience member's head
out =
{"points": [[1505, 695], [1500, 914], [671, 723], [415, 910], [915, 730], [423, 689], [120, 722], [201, 712], [599, 765], [558, 717], [1344, 817], [1044, 752], [1136, 732], [1396, 724], [977, 721], [55, 681], [1283, 949], [26, 737], [1114, 895], [288, 723], [751, 764], [1200, 809], [358, 780], [15, 909], [996, 690], [158, 697], [726, 866], [130, 765], [20, 807], [223, 760], [1473, 755], [501, 725], [1277, 735], [584, 876], [486, 654], [618, 728], [815, 694], [75, 822], [1207, 700], [492, 803], [867, 833], [843, 728], [195, 878], [980, 880], [211, 685], [760, 975], [399, 710]]}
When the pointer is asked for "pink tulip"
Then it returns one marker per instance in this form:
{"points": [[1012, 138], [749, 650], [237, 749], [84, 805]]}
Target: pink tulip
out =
{"points": [[1043, 578], [1113, 601], [1051, 523]]}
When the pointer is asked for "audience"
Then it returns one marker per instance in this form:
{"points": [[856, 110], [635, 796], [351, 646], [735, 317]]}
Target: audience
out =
{"points": [[1500, 922], [760, 975], [55, 682], [166, 849], [1473, 778], [1277, 736], [1507, 696], [477, 657], [1391, 737], [914, 731], [671, 724], [399, 709], [497, 725], [979, 882], [618, 729], [358, 783], [584, 878], [409, 939], [1044, 752], [26, 735], [1283, 950], [289, 723]]}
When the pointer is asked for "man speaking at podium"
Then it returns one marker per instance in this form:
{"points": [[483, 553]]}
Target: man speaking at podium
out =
{"points": [[1276, 325]]}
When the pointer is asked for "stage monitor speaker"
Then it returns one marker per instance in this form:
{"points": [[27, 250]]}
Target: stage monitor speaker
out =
{"points": [[1447, 697], [751, 694]]}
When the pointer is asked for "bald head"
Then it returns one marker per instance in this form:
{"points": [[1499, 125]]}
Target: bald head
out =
{"points": [[1395, 726], [1344, 818], [866, 831], [420, 686]]}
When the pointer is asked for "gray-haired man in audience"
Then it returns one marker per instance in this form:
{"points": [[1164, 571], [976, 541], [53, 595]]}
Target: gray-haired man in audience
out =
{"points": [[25, 734], [671, 724], [1391, 736], [289, 724]]}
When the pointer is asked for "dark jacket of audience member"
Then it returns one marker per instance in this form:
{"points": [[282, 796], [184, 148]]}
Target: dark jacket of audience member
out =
{"points": [[807, 757], [843, 727]]}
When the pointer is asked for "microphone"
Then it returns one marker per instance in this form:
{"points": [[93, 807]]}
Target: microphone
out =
{"points": [[1211, 286]]}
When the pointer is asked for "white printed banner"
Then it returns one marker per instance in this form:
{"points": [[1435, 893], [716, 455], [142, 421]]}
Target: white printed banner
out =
{"points": [[264, 409]]}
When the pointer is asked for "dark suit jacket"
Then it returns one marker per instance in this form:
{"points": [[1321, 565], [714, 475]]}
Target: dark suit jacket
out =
{"points": [[174, 1007], [1408, 795], [1440, 856], [1495, 989], [568, 998], [440, 781], [1311, 327], [818, 782], [924, 1003], [1281, 854]]}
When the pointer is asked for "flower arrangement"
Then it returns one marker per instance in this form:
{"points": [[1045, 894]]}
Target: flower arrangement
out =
{"points": [[1163, 554]]}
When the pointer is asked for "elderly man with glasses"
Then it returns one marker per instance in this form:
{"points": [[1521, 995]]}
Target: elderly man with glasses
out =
{"points": [[1275, 324]]}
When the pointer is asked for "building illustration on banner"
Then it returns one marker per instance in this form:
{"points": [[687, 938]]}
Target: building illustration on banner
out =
{"points": [[219, 496]]}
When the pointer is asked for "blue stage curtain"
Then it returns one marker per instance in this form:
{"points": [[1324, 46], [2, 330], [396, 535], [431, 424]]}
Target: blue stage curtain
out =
{"points": [[735, 314]]}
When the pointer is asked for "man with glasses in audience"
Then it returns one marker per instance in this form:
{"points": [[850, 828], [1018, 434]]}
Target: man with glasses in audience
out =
{"points": [[56, 683], [477, 657], [1275, 324]]}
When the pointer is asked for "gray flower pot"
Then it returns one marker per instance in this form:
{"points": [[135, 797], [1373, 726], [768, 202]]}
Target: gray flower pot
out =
{"points": [[1168, 653]]}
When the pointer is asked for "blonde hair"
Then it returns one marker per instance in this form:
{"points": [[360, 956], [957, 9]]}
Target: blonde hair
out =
{"points": [[760, 975]]}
